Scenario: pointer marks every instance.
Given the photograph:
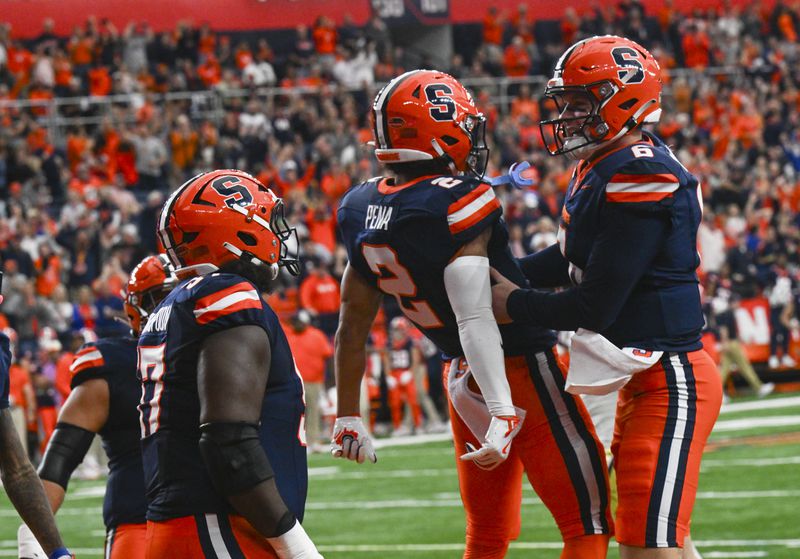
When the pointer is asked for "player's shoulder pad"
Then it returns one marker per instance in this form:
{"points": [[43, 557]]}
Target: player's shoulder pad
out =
{"points": [[89, 363], [217, 295], [641, 173], [467, 201]]}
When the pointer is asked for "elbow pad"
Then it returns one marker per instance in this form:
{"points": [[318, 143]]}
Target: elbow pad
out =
{"points": [[65, 451], [468, 286], [234, 457]]}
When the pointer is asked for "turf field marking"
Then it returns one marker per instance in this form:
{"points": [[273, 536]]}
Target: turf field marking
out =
{"points": [[411, 440], [66, 511], [377, 548], [757, 405], [754, 422], [387, 474], [712, 463], [724, 554], [448, 500]]}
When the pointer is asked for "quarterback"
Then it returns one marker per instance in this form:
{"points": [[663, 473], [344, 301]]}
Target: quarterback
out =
{"points": [[627, 246]]}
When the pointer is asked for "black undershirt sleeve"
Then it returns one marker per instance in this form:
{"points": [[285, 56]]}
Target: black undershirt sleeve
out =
{"points": [[546, 268]]}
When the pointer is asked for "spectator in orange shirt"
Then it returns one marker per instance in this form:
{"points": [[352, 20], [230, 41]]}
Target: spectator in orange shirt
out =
{"points": [[335, 181], [493, 27], [516, 60], [183, 141], [696, 47], [99, 81], [22, 399], [311, 350], [321, 224], [324, 36], [319, 295]]}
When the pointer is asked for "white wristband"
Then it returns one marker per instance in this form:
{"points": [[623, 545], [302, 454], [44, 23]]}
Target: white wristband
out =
{"points": [[294, 544]]}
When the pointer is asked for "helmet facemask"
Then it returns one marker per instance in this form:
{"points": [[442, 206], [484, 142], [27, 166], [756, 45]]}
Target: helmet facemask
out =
{"points": [[475, 128], [577, 136]]}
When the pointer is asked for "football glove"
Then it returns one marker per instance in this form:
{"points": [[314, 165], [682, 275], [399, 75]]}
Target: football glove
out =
{"points": [[351, 440], [516, 177], [496, 443]]}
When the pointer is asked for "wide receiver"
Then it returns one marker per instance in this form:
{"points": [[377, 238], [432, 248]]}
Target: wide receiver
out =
{"points": [[104, 399], [427, 236], [222, 404], [627, 244]]}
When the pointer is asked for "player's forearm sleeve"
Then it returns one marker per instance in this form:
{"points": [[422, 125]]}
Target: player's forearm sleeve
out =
{"points": [[466, 280], [621, 254], [546, 268]]}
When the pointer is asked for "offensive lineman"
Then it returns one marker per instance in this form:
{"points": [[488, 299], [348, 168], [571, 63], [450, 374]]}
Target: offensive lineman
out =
{"points": [[222, 403], [427, 237]]}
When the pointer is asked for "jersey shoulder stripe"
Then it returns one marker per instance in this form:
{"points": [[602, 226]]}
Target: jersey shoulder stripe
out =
{"points": [[226, 301], [471, 208], [641, 188], [87, 358]]}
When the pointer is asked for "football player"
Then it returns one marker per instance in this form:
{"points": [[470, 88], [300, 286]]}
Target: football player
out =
{"points": [[427, 236], [222, 405], [627, 244], [19, 478], [401, 359], [104, 399]]}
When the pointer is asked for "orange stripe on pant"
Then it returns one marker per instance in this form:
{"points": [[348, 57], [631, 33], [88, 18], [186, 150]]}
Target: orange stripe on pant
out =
{"points": [[664, 417], [197, 537], [557, 449], [126, 541]]}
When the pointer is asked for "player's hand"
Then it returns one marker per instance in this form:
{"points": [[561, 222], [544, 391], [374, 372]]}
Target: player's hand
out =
{"points": [[501, 289], [496, 443], [350, 440], [27, 546], [520, 176]]}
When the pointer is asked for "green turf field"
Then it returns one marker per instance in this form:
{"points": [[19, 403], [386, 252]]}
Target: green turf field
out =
{"points": [[407, 506]]}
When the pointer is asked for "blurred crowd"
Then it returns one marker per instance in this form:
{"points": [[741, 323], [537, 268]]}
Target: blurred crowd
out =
{"points": [[78, 211]]}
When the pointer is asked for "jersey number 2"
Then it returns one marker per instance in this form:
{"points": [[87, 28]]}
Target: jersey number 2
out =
{"points": [[382, 259]]}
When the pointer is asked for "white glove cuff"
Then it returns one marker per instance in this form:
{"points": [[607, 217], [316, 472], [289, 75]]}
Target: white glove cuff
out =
{"points": [[294, 544]]}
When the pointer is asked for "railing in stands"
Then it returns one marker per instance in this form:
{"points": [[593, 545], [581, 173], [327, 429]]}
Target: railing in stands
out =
{"points": [[59, 114]]}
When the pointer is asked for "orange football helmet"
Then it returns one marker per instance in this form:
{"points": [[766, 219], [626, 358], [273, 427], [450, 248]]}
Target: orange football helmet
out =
{"points": [[615, 82], [151, 280], [424, 115], [224, 215]]}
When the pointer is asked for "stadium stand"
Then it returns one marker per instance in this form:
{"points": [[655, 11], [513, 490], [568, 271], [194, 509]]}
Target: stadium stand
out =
{"points": [[98, 126]]}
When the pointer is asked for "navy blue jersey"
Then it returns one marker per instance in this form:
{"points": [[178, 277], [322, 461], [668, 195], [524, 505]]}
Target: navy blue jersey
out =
{"points": [[176, 478], [401, 238], [5, 364], [628, 232], [401, 357], [114, 361]]}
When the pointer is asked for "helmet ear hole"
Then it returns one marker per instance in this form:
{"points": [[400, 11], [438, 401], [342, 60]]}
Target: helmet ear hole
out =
{"points": [[628, 104], [247, 238], [449, 140]]}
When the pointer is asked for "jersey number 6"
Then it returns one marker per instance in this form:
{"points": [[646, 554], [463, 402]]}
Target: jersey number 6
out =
{"points": [[381, 259]]}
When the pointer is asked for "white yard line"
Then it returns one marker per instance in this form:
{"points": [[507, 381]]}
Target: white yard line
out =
{"points": [[727, 554], [755, 462], [755, 405], [374, 548], [755, 422]]}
